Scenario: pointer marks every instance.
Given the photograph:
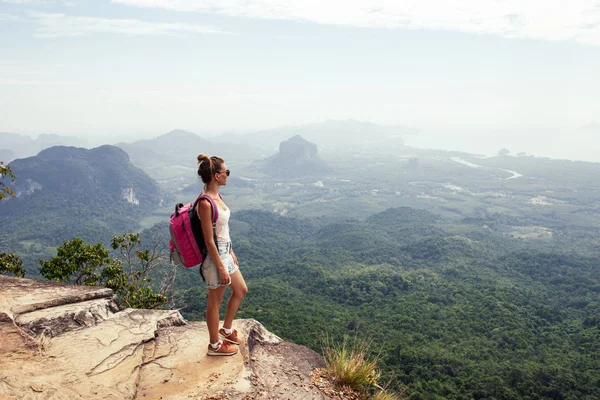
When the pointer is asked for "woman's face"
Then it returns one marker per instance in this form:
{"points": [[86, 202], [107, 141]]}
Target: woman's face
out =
{"points": [[222, 175]]}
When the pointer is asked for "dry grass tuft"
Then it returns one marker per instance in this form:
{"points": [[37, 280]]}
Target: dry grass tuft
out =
{"points": [[348, 363], [43, 341], [385, 395]]}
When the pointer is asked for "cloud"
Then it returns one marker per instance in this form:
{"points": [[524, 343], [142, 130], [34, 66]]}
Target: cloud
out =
{"points": [[61, 25], [551, 20], [11, 81], [40, 2], [10, 18]]}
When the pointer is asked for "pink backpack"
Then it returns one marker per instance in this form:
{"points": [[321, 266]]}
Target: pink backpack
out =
{"points": [[187, 244]]}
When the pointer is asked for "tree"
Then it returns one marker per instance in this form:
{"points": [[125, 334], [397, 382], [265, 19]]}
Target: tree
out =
{"points": [[142, 265], [4, 189], [77, 262], [503, 152], [86, 264], [11, 263]]}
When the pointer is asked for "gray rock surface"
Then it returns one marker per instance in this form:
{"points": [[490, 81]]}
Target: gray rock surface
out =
{"points": [[75, 342]]}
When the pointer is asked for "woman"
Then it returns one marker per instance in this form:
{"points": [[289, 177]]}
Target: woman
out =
{"points": [[221, 267]]}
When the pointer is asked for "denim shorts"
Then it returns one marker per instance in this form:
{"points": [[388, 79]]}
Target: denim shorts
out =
{"points": [[209, 269]]}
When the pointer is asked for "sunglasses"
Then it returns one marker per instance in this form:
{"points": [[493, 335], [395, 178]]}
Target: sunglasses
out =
{"points": [[227, 172]]}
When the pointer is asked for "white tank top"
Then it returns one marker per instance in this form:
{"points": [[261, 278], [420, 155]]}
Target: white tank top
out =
{"points": [[223, 225]]}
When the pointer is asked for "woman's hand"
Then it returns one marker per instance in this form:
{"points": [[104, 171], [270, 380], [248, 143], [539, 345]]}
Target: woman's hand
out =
{"points": [[224, 277], [235, 260]]}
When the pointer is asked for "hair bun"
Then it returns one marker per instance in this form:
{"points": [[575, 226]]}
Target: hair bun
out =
{"points": [[202, 157]]}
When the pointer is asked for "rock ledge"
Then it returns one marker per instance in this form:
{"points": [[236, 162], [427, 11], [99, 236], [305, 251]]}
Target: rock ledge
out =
{"points": [[75, 342]]}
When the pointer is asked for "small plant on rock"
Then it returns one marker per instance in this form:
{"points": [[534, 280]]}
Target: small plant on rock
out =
{"points": [[349, 365], [350, 368]]}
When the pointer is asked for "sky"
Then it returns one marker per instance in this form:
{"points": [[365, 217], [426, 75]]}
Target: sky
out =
{"points": [[471, 75]]}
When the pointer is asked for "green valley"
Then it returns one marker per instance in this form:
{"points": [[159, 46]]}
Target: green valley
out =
{"points": [[475, 278]]}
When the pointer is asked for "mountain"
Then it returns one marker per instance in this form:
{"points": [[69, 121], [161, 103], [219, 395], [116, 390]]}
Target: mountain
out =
{"points": [[177, 147], [65, 192], [20, 146], [296, 157], [330, 134], [7, 155]]}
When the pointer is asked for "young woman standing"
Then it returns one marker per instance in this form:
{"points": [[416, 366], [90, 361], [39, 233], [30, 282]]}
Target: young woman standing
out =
{"points": [[221, 267]]}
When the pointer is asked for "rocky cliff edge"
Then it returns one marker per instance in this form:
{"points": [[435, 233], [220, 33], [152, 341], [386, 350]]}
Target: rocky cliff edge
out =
{"points": [[75, 342]]}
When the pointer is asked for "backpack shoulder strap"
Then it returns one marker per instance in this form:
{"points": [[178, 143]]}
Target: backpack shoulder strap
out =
{"points": [[213, 206], [215, 215]]}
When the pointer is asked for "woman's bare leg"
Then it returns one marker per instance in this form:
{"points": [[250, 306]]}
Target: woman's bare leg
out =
{"points": [[215, 297], [239, 289]]}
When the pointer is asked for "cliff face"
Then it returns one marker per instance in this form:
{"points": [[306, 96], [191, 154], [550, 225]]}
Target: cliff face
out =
{"points": [[75, 342]]}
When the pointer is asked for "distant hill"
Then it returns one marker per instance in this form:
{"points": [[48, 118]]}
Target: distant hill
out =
{"points": [[334, 134], [296, 157], [592, 127], [65, 192], [15, 146], [177, 147], [7, 155]]}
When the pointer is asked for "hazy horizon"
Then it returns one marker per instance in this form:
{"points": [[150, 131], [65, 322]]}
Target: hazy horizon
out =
{"points": [[558, 143], [475, 76]]}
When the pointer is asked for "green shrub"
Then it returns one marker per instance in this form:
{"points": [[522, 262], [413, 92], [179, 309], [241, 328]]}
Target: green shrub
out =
{"points": [[11, 263]]}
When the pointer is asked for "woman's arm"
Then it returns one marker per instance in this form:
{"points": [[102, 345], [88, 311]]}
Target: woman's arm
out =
{"points": [[205, 213]]}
